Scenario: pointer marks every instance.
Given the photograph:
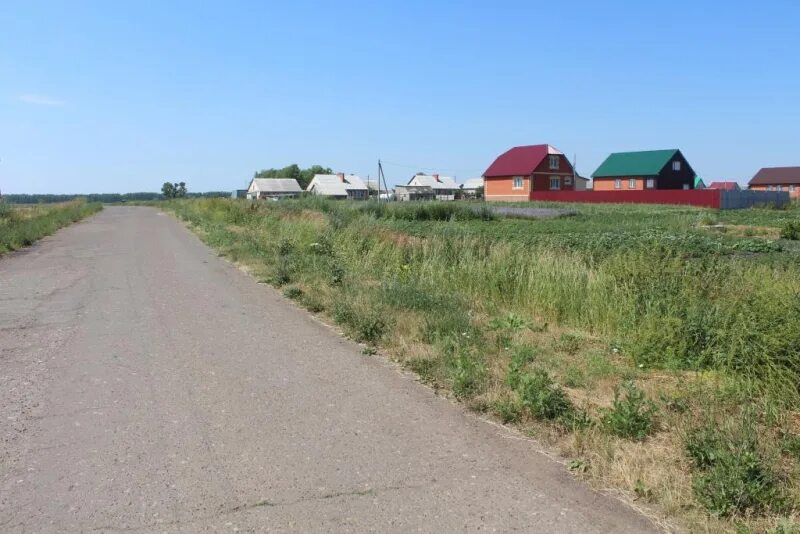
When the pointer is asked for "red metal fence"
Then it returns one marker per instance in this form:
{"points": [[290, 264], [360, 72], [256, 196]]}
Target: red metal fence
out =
{"points": [[708, 198]]}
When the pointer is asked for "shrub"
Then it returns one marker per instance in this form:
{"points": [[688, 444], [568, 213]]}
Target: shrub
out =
{"points": [[282, 274], [542, 397], [285, 247], [313, 303], [508, 409], [569, 343], [365, 323], [322, 246], [6, 210], [520, 358], [732, 476], [631, 414], [574, 377], [791, 230], [426, 368], [337, 274], [512, 321], [293, 292], [468, 374]]}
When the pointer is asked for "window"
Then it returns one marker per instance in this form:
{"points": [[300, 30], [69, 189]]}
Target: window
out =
{"points": [[770, 188], [555, 183], [778, 188], [650, 183], [791, 188], [632, 183], [568, 180], [517, 182], [554, 162], [618, 183], [676, 165]]}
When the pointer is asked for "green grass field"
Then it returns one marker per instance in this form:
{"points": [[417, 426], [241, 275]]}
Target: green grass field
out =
{"points": [[21, 226], [657, 348]]}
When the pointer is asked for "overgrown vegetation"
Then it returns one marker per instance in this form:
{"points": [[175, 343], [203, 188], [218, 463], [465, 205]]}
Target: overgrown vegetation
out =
{"points": [[615, 335], [22, 226]]}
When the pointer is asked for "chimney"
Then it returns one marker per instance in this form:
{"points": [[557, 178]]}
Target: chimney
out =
{"points": [[340, 175], [436, 177]]}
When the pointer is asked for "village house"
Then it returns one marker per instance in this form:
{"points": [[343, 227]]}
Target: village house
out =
{"points": [[523, 169], [472, 188], [777, 179], [275, 188], [646, 170], [406, 193], [724, 186], [444, 187], [339, 186]]}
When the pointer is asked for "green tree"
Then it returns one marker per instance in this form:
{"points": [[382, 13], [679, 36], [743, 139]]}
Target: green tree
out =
{"points": [[180, 190], [168, 190], [174, 190]]}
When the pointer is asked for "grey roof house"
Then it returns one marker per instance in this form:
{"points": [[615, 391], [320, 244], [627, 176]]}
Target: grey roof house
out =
{"points": [[273, 188], [414, 192], [444, 187], [470, 187], [339, 186]]}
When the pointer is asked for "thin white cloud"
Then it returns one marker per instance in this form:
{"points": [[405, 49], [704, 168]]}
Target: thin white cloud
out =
{"points": [[40, 100]]}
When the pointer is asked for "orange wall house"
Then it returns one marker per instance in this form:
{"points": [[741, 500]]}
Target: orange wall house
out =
{"points": [[610, 184], [793, 189], [502, 188], [777, 179], [517, 172]]}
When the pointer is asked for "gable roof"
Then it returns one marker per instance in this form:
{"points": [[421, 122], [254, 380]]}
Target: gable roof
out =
{"points": [[433, 181], [414, 188], [274, 185], [333, 185], [472, 183], [520, 160], [776, 176], [726, 186], [373, 184], [645, 163]]}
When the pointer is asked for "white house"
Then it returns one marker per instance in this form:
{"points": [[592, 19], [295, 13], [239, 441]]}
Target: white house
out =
{"points": [[261, 188], [340, 186], [470, 187], [444, 187]]}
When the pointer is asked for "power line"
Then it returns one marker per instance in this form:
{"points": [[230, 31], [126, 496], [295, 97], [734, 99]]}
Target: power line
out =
{"points": [[423, 168]]}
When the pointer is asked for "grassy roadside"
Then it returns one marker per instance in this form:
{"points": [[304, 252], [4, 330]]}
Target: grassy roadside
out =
{"points": [[656, 348], [22, 225]]}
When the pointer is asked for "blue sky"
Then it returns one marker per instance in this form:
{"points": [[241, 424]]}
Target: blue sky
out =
{"points": [[121, 96]]}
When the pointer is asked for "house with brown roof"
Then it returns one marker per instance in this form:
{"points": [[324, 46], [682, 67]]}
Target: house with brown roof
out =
{"points": [[777, 179], [724, 186], [523, 169]]}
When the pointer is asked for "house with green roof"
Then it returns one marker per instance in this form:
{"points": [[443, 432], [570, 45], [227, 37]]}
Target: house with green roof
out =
{"points": [[646, 170]]}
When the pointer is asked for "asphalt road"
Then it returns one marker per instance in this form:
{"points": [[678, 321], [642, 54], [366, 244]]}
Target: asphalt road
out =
{"points": [[148, 385]]}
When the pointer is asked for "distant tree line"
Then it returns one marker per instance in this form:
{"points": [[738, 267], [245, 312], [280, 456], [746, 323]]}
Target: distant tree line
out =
{"points": [[103, 197], [303, 176]]}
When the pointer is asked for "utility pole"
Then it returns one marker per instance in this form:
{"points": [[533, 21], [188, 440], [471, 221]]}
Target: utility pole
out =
{"points": [[382, 176], [574, 172]]}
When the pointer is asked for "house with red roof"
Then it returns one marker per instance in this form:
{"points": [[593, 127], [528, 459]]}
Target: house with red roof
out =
{"points": [[522, 169], [777, 179], [724, 186]]}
